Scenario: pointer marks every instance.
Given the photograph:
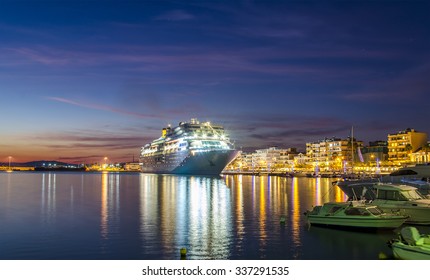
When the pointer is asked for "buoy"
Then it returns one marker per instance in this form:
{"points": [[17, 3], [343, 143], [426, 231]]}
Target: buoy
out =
{"points": [[282, 220], [183, 252], [382, 256]]}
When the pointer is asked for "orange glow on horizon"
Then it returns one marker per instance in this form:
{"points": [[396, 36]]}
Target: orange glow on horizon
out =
{"points": [[74, 156]]}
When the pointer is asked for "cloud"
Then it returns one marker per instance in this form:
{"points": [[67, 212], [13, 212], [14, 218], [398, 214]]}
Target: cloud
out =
{"points": [[91, 145], [90, 139], [102, 108], [284, 130]]}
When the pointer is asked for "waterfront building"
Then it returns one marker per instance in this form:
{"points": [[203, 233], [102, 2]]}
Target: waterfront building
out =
{"points": [[300, 159], [375, 152], [132, 166], [338, 155], [403, 144], [422, 155], [247, 161], [273, 159], [268, 160], [333, 153]]}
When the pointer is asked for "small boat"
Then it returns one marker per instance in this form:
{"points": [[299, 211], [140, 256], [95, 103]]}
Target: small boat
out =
{"points": [[355, 214], [396, 197], [416, 176], [406, 199], [411, 245]]}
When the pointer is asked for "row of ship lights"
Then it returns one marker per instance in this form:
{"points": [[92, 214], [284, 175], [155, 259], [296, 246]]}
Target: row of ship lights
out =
{"points": [[195, 136]]}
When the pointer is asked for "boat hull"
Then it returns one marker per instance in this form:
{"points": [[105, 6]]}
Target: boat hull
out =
{"points": [[417, 215], [358, 222], [190, 163], [408, 252]]}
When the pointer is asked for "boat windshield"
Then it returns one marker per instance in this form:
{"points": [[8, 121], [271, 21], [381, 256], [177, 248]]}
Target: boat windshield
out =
{"points": [[355, 211], [412, 195], [399, 195], [375, 210]]}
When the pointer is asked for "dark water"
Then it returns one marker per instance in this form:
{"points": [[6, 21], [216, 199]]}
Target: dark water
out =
{"points": [[139, 216]]}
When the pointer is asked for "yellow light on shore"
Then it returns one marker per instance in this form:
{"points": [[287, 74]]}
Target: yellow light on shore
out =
{"points": [[105, 165]]}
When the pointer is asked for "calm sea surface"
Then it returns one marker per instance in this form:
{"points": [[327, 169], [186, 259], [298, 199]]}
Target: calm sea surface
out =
{"points": [[133, 216]]}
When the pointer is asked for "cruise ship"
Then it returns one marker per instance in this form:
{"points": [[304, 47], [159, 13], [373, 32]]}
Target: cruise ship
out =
{"points": [[192, 148]]}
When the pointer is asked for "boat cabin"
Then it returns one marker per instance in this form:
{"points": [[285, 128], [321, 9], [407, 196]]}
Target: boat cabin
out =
{"points": [[348, 209], [397, 193]]}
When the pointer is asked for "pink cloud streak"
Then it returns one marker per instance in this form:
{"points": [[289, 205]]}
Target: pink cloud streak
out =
{"points": [[102, 108]]}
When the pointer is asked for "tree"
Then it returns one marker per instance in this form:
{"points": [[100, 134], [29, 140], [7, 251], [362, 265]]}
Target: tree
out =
{"points": [[408, 148]]}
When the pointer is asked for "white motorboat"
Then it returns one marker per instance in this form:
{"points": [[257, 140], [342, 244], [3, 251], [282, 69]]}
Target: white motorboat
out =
{"points": [[353, 214], [416, 175], [404, 199], [411, 245]]}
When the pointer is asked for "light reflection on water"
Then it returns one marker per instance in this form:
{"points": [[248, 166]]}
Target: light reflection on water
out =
{"points": [[191, 212], [144, 216]]}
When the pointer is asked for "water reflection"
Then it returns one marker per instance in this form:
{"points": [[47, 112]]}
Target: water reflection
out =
{"points": [[104, 206], [48, 197], [261, 210], [348, 244], [185, 211], [144, 216], [214, 218], [296, 211], [263, 201], [110, 205], [237, 192]]}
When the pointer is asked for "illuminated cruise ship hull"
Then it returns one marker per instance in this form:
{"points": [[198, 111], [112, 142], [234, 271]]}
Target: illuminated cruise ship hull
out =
{"points": [[189, 163]]}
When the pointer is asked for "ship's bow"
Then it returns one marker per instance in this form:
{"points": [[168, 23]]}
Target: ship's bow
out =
{"points": [[206, 162]]}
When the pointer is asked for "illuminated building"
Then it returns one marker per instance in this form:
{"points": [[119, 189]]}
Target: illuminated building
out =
{"points": [[401, 145], [272, 159], [376, 151], [422, 155], [332, 153]]}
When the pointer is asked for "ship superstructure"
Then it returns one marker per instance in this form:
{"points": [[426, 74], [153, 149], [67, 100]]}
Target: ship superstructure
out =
{"points": [[195, 148]]}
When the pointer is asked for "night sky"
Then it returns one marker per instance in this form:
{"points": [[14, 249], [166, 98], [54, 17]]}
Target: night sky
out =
{"points": [[81, 80]]}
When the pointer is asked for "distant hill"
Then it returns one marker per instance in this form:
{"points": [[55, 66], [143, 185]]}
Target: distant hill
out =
{"points": [[42, 163], [45, 163]]}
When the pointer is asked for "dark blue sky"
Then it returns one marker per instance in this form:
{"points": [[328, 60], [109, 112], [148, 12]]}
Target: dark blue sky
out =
{"points": [[81, 80]]}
